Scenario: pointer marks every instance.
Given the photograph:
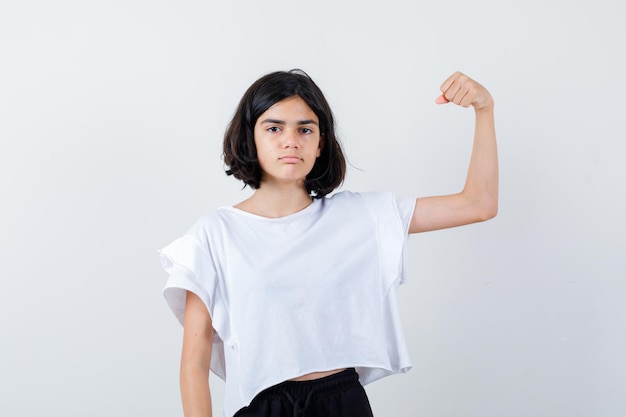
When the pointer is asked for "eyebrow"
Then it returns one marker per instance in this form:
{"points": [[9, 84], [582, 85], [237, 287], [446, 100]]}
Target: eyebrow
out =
{"points": [[281, 122]]}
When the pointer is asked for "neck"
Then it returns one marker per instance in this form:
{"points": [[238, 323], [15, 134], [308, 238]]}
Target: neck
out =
{"points": [[275, 201]]}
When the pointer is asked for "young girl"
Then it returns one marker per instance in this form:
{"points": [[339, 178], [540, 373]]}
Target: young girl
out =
{"points": [[289, 296]]}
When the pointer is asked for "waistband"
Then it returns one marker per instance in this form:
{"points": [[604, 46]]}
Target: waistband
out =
{"points": [[328, 385]]}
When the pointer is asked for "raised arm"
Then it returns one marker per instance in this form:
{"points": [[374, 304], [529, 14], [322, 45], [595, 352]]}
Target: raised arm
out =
{"points": [[479, 199], [196, 359]]}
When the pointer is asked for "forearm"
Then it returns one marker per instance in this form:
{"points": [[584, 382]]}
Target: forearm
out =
{"points": [[195, 359], [481, 186], [195, 391]]}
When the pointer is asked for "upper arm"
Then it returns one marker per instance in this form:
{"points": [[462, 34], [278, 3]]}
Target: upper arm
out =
{"points": [[197, 334], [441, 212]]}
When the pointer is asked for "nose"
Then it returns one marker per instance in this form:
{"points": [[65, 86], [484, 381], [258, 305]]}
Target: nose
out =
{"points": [[290, 139]]}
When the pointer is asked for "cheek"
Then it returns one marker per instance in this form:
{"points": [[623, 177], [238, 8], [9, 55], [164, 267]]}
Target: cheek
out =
{"points": [[265, 152]]}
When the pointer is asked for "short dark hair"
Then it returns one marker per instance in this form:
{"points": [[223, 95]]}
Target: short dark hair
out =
{"points": [[240, 154]]}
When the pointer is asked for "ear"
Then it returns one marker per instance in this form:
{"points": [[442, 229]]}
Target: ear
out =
{"points": [[320, 146]]}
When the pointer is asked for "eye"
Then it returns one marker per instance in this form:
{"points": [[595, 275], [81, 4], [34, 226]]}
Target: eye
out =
{"points": [[273, 129], [306, 130]]}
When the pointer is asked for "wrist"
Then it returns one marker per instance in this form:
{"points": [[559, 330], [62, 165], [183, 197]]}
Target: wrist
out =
{"points": [[484, 108]]}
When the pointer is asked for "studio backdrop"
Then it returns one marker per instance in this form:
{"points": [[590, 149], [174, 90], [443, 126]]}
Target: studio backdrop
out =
{"points": [[112, 115]]}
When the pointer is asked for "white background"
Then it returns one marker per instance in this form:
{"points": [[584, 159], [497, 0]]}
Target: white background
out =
{"points": [[111, 120]]}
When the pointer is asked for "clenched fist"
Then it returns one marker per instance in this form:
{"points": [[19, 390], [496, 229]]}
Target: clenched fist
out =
{"points": [[464, 91]]}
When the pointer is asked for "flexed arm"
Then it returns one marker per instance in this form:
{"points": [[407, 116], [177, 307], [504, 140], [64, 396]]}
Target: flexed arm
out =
{"points": [[479, 199]]}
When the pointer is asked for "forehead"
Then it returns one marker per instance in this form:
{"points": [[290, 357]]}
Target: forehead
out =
{"points": [[290, 109]]}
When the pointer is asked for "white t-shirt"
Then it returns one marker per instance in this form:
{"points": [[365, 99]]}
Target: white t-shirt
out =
{"points": [[312, 291]]}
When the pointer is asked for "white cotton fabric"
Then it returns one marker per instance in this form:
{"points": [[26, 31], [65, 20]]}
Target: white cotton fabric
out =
{"points": [[312, 291]]}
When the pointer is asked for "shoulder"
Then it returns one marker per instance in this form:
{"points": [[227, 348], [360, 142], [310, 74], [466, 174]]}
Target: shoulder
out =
{"points": [[379, 204], [211, 223], [347, 196], [374, 204], [368, 198], [214, 217]]}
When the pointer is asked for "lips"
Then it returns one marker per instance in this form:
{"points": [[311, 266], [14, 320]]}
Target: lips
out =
{"points": [[290, 159]]}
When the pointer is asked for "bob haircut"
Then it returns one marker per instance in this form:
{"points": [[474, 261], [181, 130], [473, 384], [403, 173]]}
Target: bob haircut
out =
{"points": [[240, 154]]}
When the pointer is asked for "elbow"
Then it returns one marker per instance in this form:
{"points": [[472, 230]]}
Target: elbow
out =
{"points": [[488, 205], [488, 212], [483, 203], [491, 214], [485, 209]]}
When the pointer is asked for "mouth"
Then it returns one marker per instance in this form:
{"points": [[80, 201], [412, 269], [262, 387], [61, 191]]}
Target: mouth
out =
{"points": [[290, 159]]}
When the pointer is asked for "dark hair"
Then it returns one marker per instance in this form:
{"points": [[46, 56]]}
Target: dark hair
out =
{"points": [[240, 154]]}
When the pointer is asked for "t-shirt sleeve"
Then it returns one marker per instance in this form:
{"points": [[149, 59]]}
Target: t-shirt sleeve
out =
{"points": [[190, 268], [405, 207], [393, 217]]}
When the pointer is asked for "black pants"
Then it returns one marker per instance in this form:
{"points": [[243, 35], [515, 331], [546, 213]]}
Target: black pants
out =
{"points": [[337, 395]]}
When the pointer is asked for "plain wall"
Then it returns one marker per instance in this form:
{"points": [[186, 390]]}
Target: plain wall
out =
{"points": [[111, 120]]}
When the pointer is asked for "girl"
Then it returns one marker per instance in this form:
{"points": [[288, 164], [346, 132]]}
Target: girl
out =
{"points": [[289, 296]]}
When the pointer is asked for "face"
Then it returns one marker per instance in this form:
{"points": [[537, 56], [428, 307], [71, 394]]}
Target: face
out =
{"points": [[287, 138]]}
